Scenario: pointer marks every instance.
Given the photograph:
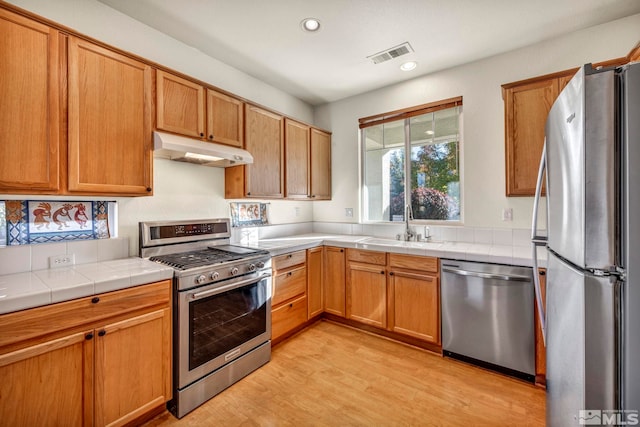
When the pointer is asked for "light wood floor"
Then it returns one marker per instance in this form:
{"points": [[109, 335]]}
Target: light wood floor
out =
{"points": [[332, 375]]}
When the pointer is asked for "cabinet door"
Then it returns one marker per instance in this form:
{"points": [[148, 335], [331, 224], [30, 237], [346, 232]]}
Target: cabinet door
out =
{"points": [[132, 367], [110, 121], [526, 110], [415, 305], [320, 165], [297, 159], [334, 280], [29, 106], [314, 281], [225, 119], [367, 294], [48, 384], [180, 105], [264, 139]]}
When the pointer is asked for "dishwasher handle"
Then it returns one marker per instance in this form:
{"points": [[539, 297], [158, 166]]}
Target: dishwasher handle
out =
{"points": [[496, 276]]}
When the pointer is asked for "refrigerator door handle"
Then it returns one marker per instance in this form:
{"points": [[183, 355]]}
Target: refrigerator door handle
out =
{"points": [[536, 241]]}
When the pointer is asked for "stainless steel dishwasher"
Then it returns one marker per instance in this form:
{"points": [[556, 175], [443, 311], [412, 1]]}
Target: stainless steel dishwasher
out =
{"points": [[487, 316]]}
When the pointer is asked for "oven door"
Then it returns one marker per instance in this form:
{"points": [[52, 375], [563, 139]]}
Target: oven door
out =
{"points": [[219, 322]]}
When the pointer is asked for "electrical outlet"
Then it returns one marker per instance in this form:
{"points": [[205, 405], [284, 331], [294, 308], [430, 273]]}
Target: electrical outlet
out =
{"points": [[62, 260], [348, 212], [507, 214]]}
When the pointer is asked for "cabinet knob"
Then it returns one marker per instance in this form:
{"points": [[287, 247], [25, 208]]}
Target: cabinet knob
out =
{"points": [[88, 336], [289, 273], [102, 333], [391, 273], [542, 273], [249, 193], [341, 250], [201, 134], [95, 300], [291, 305], [148, 189], [382, 272], [210, 136], [289, 256]]}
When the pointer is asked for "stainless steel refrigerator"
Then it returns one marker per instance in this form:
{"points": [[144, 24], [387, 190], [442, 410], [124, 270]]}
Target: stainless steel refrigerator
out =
{"points": [[592, 328]]}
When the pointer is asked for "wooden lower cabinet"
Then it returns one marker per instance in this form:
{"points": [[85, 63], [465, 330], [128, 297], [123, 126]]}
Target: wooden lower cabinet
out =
{"points": [[315, 305], [288, 316], [415, 305], [44, 384], [289, 296], [366, 291], [102, 360], [132, 367], [334, 280]]}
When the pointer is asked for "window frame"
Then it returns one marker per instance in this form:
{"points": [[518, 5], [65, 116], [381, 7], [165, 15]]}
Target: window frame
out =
{"points": [[405, 115]]}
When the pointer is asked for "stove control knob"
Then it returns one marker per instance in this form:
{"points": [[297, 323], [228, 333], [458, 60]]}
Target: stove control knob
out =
{"points": [[260, 264], [252, 267], [234, 271], [201, 279], [214, 275]]}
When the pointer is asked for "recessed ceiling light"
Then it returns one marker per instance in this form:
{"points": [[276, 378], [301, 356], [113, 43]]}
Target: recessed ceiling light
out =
{"points": [[409, 65], [310, 24]]}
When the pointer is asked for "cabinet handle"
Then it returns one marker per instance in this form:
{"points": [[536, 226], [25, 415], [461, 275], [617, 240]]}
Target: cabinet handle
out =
{"points": [[289, 256], [249, 193], [542, 273], [289, 273], [291, 305], [148, 189], [382, 272], [95, 300], [88, 336], [341, 250], [201, 134], [391, 273], [210, 136], [102, 333]]}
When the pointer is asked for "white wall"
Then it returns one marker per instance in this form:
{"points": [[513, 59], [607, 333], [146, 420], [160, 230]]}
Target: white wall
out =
{"points": [[181, 191], [483, 128]]}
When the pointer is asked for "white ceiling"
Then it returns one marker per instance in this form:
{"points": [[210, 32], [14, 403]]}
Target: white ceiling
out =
{"points": [[263, 38]]}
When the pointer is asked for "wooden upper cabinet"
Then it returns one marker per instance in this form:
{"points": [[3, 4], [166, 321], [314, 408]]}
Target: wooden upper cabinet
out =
{"points": [[225, 119], [110, 121], [29, 106], [180, 106], [297, 140], [526, 108], [320, 165], [264, 139], [190, 109]]}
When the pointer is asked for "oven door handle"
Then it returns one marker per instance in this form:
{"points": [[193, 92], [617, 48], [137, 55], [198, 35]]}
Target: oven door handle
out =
{"points": [[199, 295]]}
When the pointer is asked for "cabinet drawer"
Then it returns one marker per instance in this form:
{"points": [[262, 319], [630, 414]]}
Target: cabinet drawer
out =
{"points": [[36, 322], [288, 316], [369, 257], [289, 284], [288, 260], [414, 262]]}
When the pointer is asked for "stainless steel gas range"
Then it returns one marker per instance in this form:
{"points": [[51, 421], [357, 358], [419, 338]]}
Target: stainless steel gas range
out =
{"points": [[222, 306]]}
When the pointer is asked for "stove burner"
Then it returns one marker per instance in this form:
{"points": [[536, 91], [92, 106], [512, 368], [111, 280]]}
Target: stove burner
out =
{"points": [[187, 260]]}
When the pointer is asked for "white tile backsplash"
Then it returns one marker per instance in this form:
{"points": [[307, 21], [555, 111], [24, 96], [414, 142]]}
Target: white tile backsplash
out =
{"points": [[449, 234], [503, 236], [109, 249], [40, 254], [85, 251], [464, 234], [483, 236], [15, 259], [521, 237]]}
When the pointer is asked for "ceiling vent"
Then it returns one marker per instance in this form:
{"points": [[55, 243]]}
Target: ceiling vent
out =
{"points": [[389, 54]]}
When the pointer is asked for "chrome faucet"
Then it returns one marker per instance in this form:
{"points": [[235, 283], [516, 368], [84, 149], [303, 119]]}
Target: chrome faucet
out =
{"points": [[408, 232]]}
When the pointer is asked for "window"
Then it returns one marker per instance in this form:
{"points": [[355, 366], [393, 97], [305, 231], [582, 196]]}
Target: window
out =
{"points": [[430, 178]]}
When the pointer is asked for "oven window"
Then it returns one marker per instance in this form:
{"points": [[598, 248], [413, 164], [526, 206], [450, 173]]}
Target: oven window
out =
{"points": [[225, 321]]}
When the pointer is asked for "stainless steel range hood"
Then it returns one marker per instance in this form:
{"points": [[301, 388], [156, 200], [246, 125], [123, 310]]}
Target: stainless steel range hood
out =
{"points": [[183, 149]]}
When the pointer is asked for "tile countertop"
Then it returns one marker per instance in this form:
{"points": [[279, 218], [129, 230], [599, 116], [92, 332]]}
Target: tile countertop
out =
{"points": [[499, 254], [41, 287]]}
